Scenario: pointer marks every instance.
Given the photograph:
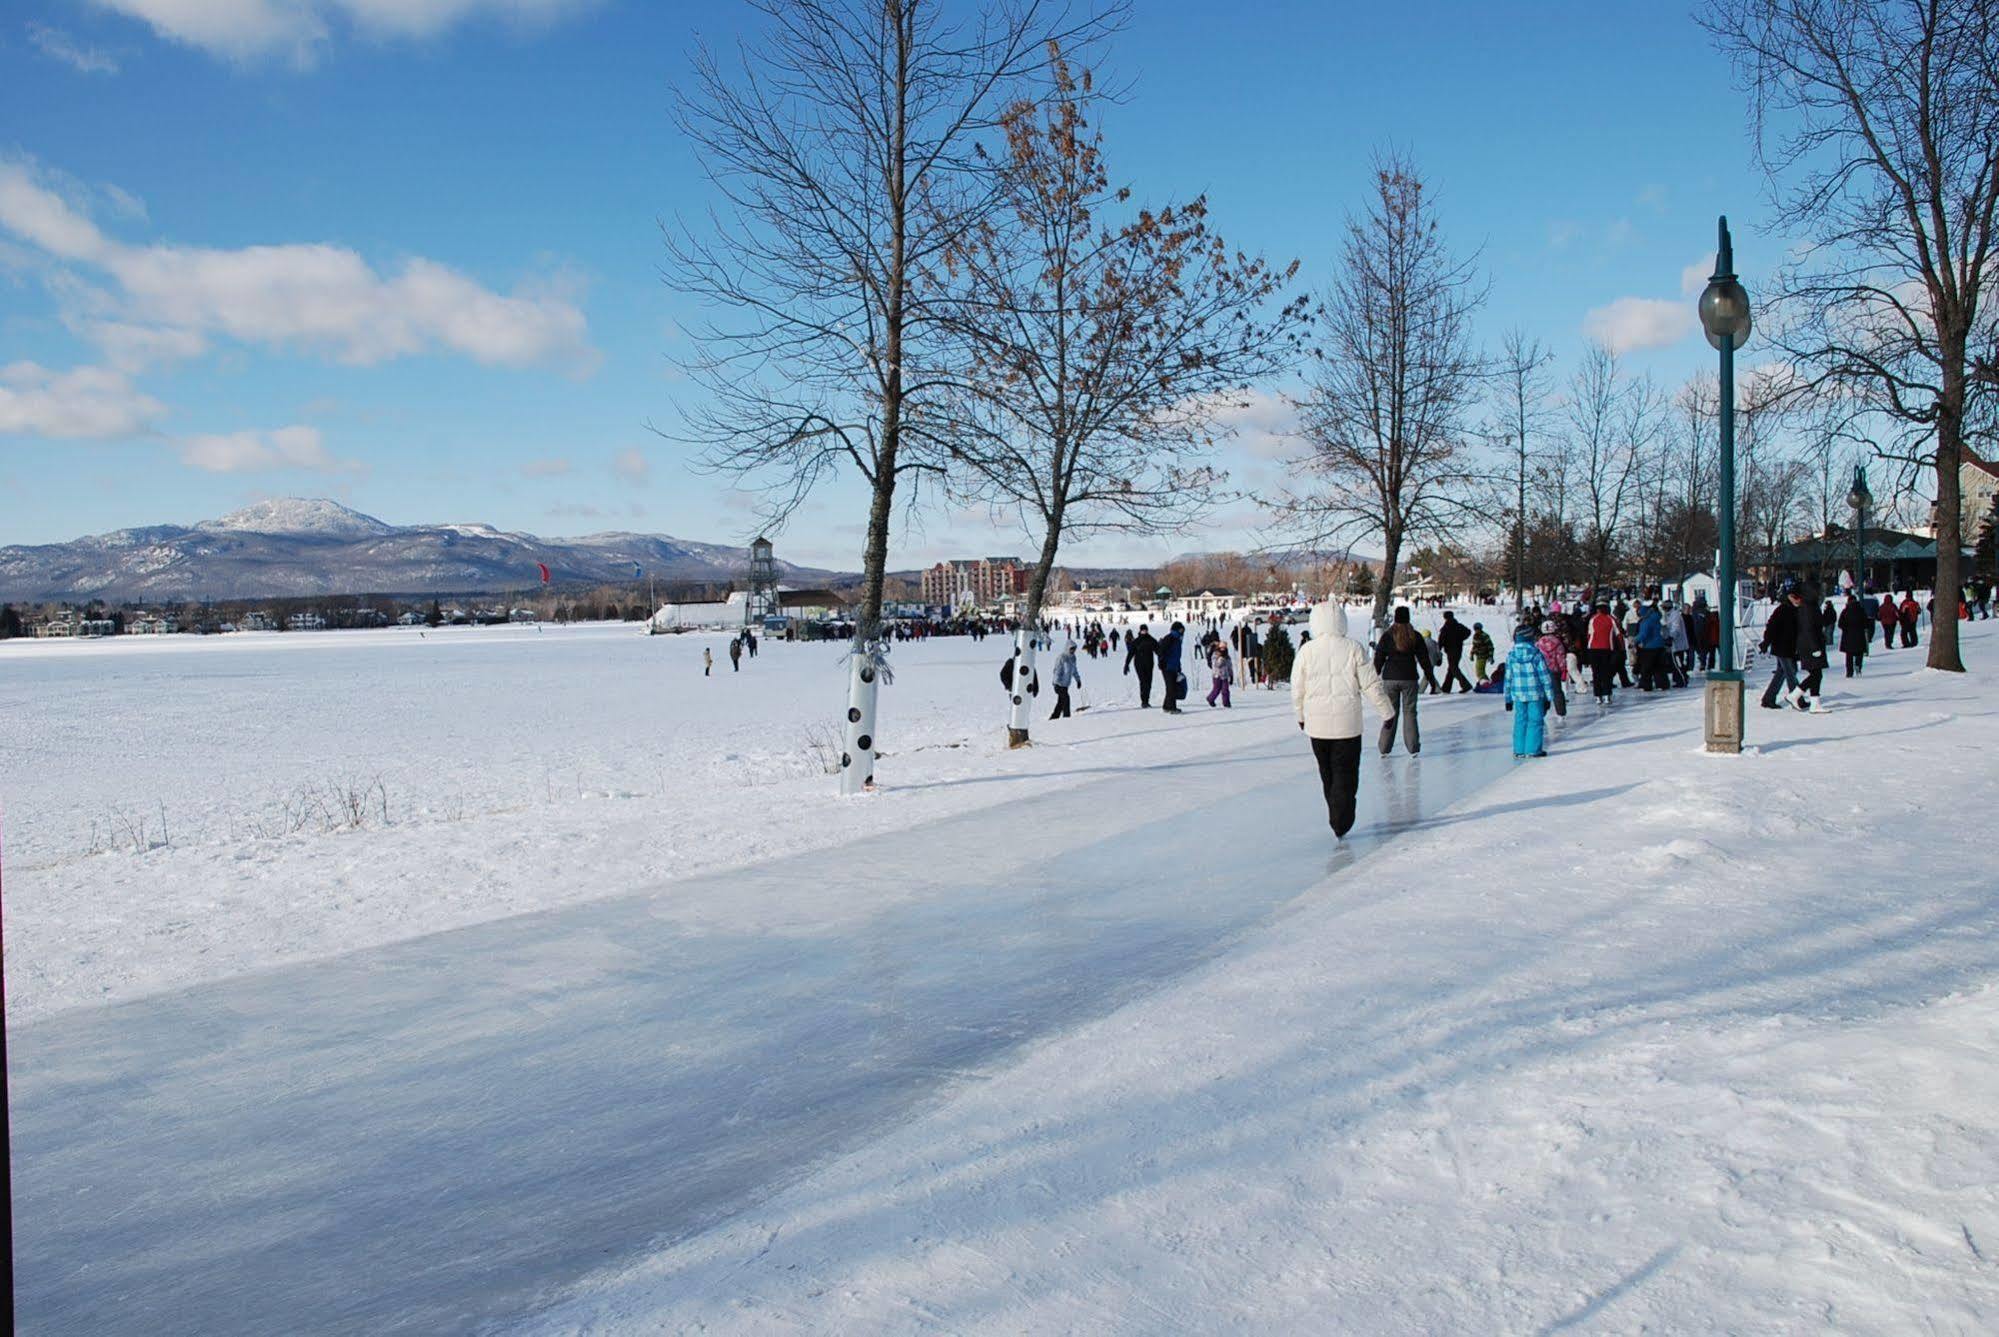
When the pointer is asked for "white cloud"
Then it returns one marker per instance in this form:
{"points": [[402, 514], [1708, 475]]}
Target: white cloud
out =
{"points": [[632, 465], [58, 45], [549, 468], [1695, 276], [1632, 323], [261, 452], [1258, 422], [85, 403], [136, 348], [296, 30], [317, 297]]}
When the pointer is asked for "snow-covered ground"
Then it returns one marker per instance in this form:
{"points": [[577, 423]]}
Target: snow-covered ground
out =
{"points": [[180, 809], [1634, 1038], [1638, 1039]]}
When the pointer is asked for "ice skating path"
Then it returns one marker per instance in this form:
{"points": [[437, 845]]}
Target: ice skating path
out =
{"points": [[436, 1136]]}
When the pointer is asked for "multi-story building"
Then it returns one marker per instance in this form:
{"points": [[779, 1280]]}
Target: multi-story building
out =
{"points": [[1978, 497], [984, 579]]}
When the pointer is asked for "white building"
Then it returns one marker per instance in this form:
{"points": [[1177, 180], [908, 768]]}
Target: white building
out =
{"points": [[306, 621], [727, 615]]}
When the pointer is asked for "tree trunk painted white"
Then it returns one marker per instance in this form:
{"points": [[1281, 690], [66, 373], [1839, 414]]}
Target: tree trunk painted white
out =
{"points": [[857, 757], [1023, 675]]}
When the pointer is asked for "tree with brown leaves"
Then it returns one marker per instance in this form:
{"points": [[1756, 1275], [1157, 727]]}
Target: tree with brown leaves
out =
{"points": [[844, 145], [1104, 342]]}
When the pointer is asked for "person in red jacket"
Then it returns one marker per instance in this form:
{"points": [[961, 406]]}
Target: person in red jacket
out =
{"points": [[1911, 613], [1891, 617], [1606, 652]]}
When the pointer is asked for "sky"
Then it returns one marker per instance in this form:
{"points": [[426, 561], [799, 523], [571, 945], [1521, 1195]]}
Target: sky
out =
{"points": [[406, 254]]}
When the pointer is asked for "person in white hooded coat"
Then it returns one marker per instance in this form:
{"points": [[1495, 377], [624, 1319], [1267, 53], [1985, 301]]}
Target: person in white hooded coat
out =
{"points": [[1330, 677]]}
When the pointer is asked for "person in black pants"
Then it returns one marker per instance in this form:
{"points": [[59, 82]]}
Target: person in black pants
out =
{"points": [[1452, 637], [1169, 668], [1141, 652], [1339, 777], [1330, 679]]}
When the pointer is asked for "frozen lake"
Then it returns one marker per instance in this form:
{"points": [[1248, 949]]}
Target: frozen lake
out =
{"points": [[478, 1118], [180, 809]]}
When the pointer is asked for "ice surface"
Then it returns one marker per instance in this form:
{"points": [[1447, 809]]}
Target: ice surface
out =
{"points": [[433, 1134]]}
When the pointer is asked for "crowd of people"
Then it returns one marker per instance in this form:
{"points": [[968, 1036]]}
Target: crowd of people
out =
{"points": [[1612, 642]]}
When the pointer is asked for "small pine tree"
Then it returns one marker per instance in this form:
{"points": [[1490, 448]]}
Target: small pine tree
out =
{"points": [[1277, 655], [435, 616]]}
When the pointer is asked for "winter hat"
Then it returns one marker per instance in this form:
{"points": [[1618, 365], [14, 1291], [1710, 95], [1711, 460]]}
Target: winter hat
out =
{"points": [[1523, 634], [1402, 613]]}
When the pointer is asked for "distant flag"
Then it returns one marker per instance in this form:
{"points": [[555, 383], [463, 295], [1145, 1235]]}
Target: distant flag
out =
{"points": [[544, 571]]}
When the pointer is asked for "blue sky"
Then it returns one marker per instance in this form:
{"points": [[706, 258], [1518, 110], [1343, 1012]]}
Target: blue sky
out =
{"points": [[404, 253]]}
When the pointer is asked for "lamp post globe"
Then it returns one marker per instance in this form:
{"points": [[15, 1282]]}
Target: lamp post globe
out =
{"points": [[1860, 498], [1724, 311]]}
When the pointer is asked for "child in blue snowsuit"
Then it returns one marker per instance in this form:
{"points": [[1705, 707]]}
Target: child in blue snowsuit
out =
{"points": [[1529, 690]]}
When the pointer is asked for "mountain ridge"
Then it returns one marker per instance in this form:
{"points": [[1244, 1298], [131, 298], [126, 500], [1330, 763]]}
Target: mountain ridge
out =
{"points": [[290, 547]]}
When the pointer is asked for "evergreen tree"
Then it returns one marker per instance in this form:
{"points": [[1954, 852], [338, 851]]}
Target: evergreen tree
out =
{"points": [[1278, 654]]}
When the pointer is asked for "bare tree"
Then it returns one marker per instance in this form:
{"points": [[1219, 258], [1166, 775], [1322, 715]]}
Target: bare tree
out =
{"points": [[1522, 412], [1696, 532], [1613, 427], [1878, 125], [1101, 353], [1390, 384], [844, 146]]}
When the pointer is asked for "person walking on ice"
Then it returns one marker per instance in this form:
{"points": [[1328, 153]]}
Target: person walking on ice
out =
{"points": [[1530, 689], [1401, 660], [1452, 637], [1142, 651], [1330, 677], [707, 661], [1224, 674], [736, 654], [1067, 675], [1481, 652]]}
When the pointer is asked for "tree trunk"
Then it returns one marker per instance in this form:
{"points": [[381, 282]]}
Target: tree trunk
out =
{"points": [[1944, 653], [1022, 705], [857, 759], [1384, 593]]}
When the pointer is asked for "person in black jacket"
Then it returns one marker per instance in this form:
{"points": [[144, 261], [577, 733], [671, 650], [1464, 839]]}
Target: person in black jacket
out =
{"points": [[1811, 647], [1780, 642], [1452, 637], [1856, 633], [1142, 651], [1401, 660], [1169, 668]]}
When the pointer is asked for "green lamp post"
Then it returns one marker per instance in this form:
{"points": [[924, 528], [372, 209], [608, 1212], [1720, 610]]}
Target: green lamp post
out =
{"points": [[1724, 312]]}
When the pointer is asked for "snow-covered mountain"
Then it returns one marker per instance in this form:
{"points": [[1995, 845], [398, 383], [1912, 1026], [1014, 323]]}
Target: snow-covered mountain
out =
{"points": [[311, 546]]}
